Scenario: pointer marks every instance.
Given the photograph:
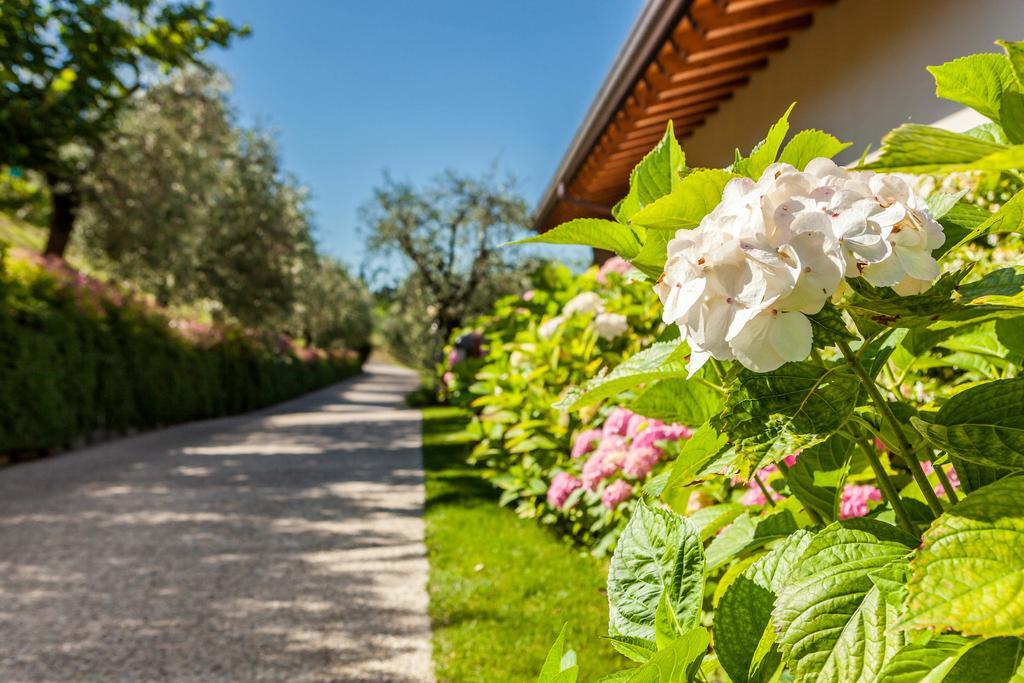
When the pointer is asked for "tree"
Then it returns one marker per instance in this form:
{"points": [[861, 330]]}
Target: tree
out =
{"points": [[67, 69], [332, 307], [447, 234], [180, 195]]}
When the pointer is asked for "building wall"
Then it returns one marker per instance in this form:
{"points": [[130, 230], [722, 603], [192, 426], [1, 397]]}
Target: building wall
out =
{"points": [[858, 72]]}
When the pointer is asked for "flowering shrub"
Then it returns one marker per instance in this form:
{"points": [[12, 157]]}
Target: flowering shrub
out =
{"points": [[852, 507], [531, 351], [80, 356]]}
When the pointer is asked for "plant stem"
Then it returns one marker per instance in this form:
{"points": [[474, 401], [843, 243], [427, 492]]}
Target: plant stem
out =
{"points": [[906, 451], [944, 480], [764, 490], [889, 491], [811, 512]]}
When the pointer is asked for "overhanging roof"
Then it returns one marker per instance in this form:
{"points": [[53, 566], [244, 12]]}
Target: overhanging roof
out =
{"points": [[681, 60]]}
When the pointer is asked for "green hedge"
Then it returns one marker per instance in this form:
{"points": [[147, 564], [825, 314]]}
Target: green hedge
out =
{"points": [[74, 363]]}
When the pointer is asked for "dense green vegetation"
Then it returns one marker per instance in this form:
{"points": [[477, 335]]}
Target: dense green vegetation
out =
{"points": [[500, 585], [78, 358]]}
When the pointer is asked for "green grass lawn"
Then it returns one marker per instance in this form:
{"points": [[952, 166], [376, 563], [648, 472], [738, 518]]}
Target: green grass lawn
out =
{"points": [[501, 587]]}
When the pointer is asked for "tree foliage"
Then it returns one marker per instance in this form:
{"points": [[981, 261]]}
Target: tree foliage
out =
{"points": [[446, 235]]}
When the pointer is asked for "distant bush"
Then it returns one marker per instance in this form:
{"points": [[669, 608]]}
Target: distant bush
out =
{"points": [[78, 357]]}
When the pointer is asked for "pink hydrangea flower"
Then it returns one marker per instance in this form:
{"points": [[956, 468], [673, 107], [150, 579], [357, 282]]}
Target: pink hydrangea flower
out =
{"points": [[855, 499], [528, 295], [697, 501], [790, 459], [606, 461], [637, 423], [754, 497], [640, 461], [617, 422], [615, 493], [561, 487], [612, 265], [954, 480], [448, 378], [652, 434], [454, 358], [585, 442]]}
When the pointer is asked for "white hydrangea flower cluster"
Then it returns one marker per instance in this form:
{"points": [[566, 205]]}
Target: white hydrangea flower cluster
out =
{"points": [[741, 285], [606, 325]]}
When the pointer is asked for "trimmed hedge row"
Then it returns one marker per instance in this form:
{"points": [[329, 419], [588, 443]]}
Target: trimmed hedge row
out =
{"points": [[74, 363]]}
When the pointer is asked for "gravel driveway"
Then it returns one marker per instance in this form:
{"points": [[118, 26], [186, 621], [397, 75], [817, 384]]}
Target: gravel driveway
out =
{"points": [[284, 545]]}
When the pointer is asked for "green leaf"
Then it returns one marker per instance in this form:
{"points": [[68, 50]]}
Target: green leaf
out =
{"points": [[743, 617], [765, 152], [683, 208], [637, 649], [1011, 115], [590, 232], [559, 667], [833, 622], [1015, 55], [711, 519], [679, 400], [817, 477], [1009, 218], [968, 574], [677, 663], [957, 223], [658, 552], [984, 425], [811, 144], [666, 625], [657, 173], [930, 661], [777, 413], [977, 81], [914, 148], [748, 532], [700, 449], [652, 256], [829, 327], [662, 360]]}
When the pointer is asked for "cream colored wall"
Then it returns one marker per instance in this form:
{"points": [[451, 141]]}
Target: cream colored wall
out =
{"points": [[858, 72]]}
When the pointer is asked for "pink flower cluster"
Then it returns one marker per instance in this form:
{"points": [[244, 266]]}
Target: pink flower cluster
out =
{"points": [[627, 443], [855, 499], [951, 474], [612, 265]]}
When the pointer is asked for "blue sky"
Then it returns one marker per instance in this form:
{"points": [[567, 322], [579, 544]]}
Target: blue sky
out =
{"points": [[354, 87]]}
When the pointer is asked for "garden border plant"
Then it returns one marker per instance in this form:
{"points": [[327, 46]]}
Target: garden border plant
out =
{"points": [[813, 299]]}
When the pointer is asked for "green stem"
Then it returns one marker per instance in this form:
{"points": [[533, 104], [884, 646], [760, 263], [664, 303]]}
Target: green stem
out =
{"points": [[811, 512], [889, 491], [906, 451], [944, 480], [764, 490]]}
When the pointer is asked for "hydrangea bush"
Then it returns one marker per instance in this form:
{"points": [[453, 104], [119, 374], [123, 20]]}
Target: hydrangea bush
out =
{"points": [[857, 371]]}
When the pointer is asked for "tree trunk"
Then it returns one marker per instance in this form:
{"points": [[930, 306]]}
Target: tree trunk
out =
{"points": [[64, 202]]}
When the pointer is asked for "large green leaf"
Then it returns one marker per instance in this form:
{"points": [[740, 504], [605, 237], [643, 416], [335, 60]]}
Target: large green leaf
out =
{"points": [[984, 424], [779, 412], [930, 661], [652, 256], [817, 477], [658, 552], [834, 623], [743, 615], [678, 400], [914, 148], [977, 81], [591, 232], [748, 532], [765, 152], [1009, 218], [677, 663], [700, 449], [662, 360], [559, 667], [657, 173], [969, 572], [811, 144], [692, 199]]}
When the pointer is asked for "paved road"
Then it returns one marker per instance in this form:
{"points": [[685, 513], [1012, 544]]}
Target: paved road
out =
{"points": [[284, 545]]}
